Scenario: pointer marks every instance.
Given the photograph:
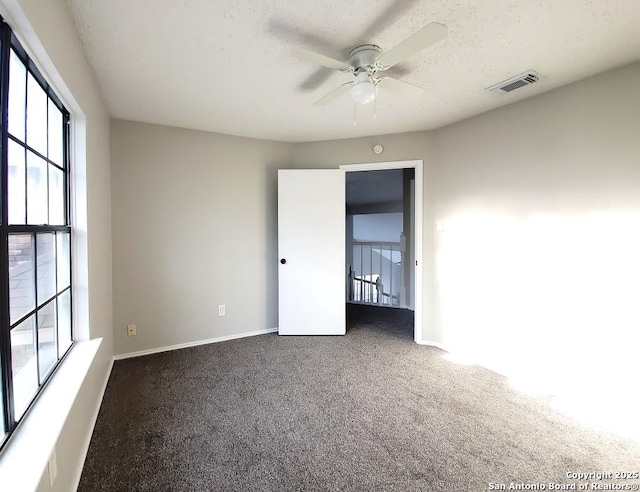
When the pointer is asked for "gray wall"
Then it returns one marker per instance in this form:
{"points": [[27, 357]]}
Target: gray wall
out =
{"points": [[537, 269], [194, 226]]}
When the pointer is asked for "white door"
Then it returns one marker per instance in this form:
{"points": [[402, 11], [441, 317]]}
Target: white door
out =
{"points": [[311, 249]]}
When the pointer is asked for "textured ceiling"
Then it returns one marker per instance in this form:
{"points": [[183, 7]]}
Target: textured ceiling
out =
{"points": [[226, 65]]}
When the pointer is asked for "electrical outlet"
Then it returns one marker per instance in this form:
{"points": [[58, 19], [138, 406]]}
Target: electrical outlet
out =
{"points": [[131, 330], [53, 467], [221, 310]]}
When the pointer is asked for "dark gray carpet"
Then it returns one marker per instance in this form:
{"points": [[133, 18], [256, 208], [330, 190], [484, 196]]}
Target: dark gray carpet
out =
{"points": [[369, 411]]}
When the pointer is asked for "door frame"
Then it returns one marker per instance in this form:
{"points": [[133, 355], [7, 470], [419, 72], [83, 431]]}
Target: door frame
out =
{"points": [[417, 217]]}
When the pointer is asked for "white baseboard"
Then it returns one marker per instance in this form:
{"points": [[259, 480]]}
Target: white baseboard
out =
{"points": [[433, 344], [194, 344], [92, 425]]}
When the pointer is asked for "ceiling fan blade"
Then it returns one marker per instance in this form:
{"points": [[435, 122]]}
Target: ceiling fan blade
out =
{"points": [[319, 59], [425, 37], [333, 94], [400, 87]]}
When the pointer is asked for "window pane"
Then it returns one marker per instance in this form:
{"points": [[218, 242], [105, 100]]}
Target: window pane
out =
{"points": [[46, 266], [36, 116], [55, 134], [36, 190], [63, 256], [17, 184], [47, 351], [64, 322], [21, 268], [17, 96], [24, 364], [56, 196]]}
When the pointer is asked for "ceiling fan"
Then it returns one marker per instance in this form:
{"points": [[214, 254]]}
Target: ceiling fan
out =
{"points": [[366, 60]]}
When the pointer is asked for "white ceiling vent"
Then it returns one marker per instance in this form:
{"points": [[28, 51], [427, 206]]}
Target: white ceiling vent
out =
{"points": [[516, 82]]}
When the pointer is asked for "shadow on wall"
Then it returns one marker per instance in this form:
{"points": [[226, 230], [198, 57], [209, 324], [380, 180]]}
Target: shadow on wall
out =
{"points": [[550, 301]]}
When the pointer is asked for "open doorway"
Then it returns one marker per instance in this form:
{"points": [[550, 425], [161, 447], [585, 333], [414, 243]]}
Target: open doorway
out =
{"points": [[384, 241]]}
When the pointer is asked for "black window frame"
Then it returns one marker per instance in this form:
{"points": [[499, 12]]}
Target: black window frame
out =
{"points": [[9, 43]]}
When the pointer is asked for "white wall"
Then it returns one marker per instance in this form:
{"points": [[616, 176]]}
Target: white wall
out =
{"points": [[46, 30], [194, 226], [538, 266], [377, 227]]}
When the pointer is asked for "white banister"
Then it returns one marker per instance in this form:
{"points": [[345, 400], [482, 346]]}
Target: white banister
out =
{"points": [[376, 266]]}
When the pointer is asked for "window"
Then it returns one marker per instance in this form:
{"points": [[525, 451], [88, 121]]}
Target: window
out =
{"points": [[35, 256]]}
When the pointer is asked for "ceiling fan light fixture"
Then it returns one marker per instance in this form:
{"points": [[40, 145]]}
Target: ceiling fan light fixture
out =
{"points": [[363, 91]]}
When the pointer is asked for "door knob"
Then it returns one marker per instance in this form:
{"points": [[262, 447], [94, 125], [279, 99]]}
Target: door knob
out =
{"points": [[283, 261]]}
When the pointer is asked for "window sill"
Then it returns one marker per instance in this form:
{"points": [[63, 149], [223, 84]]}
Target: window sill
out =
{"points": [[25, 457]]}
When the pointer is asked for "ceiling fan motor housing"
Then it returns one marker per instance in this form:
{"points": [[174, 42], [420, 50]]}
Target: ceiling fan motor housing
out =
{"points": [[364, 57]]}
